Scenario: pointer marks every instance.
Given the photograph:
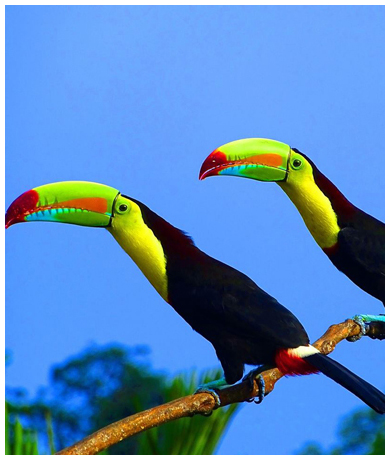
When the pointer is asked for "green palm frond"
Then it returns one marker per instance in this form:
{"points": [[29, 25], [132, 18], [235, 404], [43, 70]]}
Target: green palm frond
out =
{"points": [[191, 435], [19, 440]]}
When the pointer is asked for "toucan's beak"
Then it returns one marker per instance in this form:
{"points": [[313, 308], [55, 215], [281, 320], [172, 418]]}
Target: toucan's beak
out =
{"points": [[79, 203], [260, 159]]}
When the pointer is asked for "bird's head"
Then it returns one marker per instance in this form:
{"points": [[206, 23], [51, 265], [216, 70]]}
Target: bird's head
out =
{"points": [[260, 159], [316, 198], [95, 205], [75, 202]]}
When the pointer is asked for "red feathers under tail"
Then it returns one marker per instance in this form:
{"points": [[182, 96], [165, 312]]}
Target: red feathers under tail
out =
{"points": [[307, 360], [290, 362]]}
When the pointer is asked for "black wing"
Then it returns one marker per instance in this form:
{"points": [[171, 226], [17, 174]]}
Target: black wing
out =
{"points": [[361, 257], [226, 306]]}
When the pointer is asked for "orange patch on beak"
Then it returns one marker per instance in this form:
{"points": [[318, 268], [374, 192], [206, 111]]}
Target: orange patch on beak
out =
{"points": [[91, 204], [266, 159]]}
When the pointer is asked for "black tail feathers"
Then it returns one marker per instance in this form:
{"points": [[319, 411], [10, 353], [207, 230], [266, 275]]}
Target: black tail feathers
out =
{"points": [[344, 377]]}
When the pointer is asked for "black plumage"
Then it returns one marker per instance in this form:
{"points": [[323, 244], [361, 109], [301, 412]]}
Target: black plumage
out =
{"points": [[360, 249], [243, 323], [360, 253]]}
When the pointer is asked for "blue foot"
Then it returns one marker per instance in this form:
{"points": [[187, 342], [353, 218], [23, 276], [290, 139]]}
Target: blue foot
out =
{"points": [[253, 375], [371, 325], [211, 388]]}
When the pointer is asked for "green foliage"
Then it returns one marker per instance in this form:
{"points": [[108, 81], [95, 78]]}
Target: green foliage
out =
{"points": [[360, 433], [49, 431], [100, 386], [36, 420], [188, 436], [18, 440], [378, 445], [105, 384]]}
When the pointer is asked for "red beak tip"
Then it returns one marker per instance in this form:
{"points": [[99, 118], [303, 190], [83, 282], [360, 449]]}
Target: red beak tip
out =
{"points": [[10, 221], [204, 173], [18, 209], [210, 164]]}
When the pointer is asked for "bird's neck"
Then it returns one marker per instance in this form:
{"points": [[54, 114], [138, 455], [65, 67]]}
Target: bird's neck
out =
{"points": [[322, 206], [149, 242]]}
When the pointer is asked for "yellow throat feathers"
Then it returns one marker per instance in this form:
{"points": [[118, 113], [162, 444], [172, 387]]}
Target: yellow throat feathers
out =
{"points": [[314, 207], [140, 243]]}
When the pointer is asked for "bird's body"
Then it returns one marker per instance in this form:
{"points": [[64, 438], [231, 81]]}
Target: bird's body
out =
{"points": [[360, 252], [244, 323], [222, 304], [353, 240]]}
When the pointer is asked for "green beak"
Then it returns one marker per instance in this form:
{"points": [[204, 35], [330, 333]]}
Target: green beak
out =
{"points": [[80, 203], [255, 158]]}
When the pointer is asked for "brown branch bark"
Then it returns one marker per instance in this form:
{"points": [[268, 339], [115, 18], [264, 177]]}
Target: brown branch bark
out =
{"points": [[201, 403]]}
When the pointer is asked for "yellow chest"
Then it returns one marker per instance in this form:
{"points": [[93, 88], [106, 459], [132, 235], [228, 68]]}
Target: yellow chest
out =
{"points": [[140, 243], [315, 209]]}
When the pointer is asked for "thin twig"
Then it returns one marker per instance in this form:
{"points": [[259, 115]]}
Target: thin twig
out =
{"points": [[201, 403]]}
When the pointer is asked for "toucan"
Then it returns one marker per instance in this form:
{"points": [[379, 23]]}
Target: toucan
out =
{"points": [[243, 323], [353, 240]]}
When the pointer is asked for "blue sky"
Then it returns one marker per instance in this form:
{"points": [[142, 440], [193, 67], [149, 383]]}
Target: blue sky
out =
{"points": [[136, 98]]}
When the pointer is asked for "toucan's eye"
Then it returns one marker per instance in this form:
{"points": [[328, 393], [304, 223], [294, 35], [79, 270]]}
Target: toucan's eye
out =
{"points": [[122, 208], [296, 164]]}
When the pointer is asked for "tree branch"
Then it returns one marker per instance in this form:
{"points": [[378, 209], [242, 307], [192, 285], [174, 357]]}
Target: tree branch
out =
{"points": [[200, 403]]}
